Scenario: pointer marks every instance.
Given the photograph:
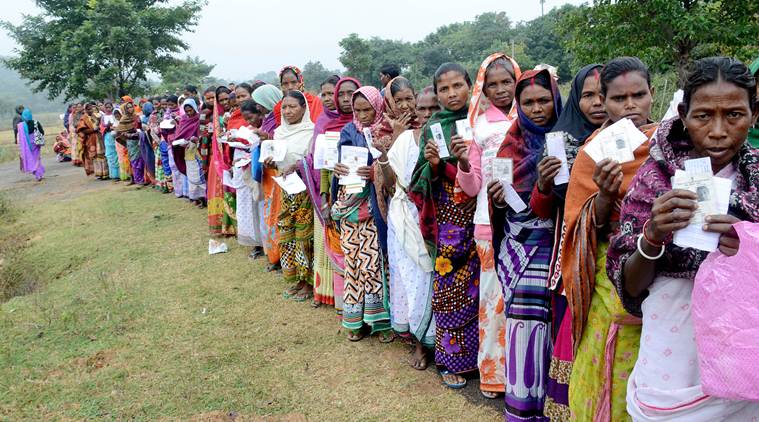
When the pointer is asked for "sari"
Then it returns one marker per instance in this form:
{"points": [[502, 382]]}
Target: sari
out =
{"points": [[362, 236], [523, 243], [111, 155], [489, 128], [448, 234], [174, 155], [94, 148], [29, 152], [76, 142], [188, 129], [268, 96], [296, 217], [578, 128], [665, 383], [146, 144], [598, 327], [128, 132], [220, 202]]}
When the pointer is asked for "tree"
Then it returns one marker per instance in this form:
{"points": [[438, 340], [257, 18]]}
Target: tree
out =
{"points": [[191, 71], [666, 34], [542, 43], [314, 73], [99, 48]]}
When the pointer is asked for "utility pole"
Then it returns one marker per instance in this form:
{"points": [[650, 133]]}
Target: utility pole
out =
{"points": [[542, 2]]}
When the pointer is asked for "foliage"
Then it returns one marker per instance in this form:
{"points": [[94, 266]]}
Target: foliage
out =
{"points": [[314, 73], [190, 71], [99, 48], [666, 34], [15, 91]]}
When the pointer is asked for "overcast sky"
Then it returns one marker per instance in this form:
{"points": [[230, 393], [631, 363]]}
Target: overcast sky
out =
{"points": [[244, 37]]}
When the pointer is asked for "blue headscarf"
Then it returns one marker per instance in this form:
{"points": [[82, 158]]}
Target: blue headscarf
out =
{"points": [[147, 110]]}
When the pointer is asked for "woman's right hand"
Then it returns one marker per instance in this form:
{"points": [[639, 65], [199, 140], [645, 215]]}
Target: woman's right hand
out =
{"points": [[341, 170], [496, 193], [431, 153], [670, 212], [548, 168], [460, 149], [269, 163]]}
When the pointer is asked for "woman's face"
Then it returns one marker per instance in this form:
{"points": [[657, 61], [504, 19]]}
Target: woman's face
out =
{"points": [[537, 104], [426, 106], [171, 105], [224, 100], [452, 91], [499, 87], [90, 109], [327, 96], [718, 121], [209, 97], [254, 119], [289, 82], [189, 111], [405, 101], [363, 111], [629, 96], [108, 108], [591, 102], [292, 110], [129, 108], [241, 94], [344, 96]]}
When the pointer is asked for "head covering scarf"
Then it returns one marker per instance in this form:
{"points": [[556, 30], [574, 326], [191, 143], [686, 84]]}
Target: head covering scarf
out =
{"points": [[126, 122], [391, 109], [372, 95], [669, 148], [28, 151], [147, 110], [268, 96], [314, 103], [298, 76], [525, 141], [28, 119], [187, 128], [297, 136], [572, 120], [479, 83], [127, 99]]}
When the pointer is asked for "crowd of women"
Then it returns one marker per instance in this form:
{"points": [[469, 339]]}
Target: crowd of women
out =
{"points": [[571, 304]]}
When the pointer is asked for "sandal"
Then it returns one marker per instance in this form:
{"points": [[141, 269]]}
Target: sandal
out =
{"points": [[490, 394], [273, 267], [302, 296], [355, 335], [291, 291], [452, 385], [315, 303], [386, 336]]}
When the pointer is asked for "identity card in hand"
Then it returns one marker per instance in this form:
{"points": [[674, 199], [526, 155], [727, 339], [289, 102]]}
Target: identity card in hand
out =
{"points": [[556, 147], [439, 138]]}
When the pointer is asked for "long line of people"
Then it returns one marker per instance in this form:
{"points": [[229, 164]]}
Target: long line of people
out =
{"points": [[438, 216]]}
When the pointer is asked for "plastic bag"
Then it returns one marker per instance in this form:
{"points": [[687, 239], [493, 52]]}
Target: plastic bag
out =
{"points": [[726, 319], [215, 247]]}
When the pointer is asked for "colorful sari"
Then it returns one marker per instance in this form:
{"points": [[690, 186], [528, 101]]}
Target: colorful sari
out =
{"points": [[220, 204], [94, 148], [489, 128], [146, 144], [362, 236], [29, 152], [448, 234], [523, 244], [111, 155]]}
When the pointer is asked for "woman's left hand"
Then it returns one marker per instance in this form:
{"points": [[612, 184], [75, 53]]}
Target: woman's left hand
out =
{"points": [[729, 242], [365, 172], [288, 171]]}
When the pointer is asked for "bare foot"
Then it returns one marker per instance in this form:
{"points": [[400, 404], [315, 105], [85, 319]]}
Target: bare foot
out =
{"points": [[418, 359]]}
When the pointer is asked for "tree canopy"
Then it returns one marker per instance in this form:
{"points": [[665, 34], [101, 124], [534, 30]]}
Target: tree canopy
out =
{"points": [[99, 48], [190, 71]]}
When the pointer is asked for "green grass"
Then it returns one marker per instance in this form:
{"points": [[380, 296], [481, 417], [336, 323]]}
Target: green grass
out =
{"points": [[133, 319]]}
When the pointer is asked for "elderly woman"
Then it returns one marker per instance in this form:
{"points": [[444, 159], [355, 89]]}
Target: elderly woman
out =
{"points": [[653, 276]]}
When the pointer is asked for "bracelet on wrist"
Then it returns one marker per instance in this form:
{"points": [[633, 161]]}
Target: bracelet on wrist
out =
{"points": [[644, 254], [648, 239]]}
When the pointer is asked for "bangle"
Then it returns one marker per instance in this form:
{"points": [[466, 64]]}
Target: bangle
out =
{"points": [[384, 163], [648, 239], [644, 255]]}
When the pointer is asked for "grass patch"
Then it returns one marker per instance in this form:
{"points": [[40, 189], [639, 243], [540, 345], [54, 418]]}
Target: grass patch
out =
{"points": [[134, 320]]}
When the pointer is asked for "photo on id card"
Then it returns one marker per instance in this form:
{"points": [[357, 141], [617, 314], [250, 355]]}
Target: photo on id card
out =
{"points": [[703, 186]]}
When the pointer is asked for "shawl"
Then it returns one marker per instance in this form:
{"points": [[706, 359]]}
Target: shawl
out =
{"points": [[479, 84], [352, 136], [147, 112], [669, 148], [525, 141], [572, 119], [421, 192], [314, 103], [187, 128], [126, 122], [297, 136], [753, 133], [391, 109], [329, 121], [579, 244]]}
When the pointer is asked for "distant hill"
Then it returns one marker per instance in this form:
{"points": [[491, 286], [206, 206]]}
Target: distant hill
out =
{"points": [[14, 91]]}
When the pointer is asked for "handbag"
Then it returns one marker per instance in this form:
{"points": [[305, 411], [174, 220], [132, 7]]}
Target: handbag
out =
{"points": [[39, 138]]}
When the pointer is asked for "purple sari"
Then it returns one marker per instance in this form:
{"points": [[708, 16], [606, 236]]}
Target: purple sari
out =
{"points": [[29, 153]]}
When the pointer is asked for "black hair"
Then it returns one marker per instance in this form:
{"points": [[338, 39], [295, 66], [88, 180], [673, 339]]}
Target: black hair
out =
{"points": [[222, 89], [256, 85], [543, 78], [172, 99], [712, 69], [621, 65], [298, 96], [391, 70], [504, 63], [210, 89], [450, 67], [399, 84], [192, 88], [332, 80], [207, 106], [250, 106], [246, 86]]}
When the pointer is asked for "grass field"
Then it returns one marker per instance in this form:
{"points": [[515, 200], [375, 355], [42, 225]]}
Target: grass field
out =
{"points": [[124, 315]]}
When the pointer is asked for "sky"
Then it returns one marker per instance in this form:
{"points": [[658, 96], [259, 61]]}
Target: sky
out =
{"points": [[246, 37]]}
